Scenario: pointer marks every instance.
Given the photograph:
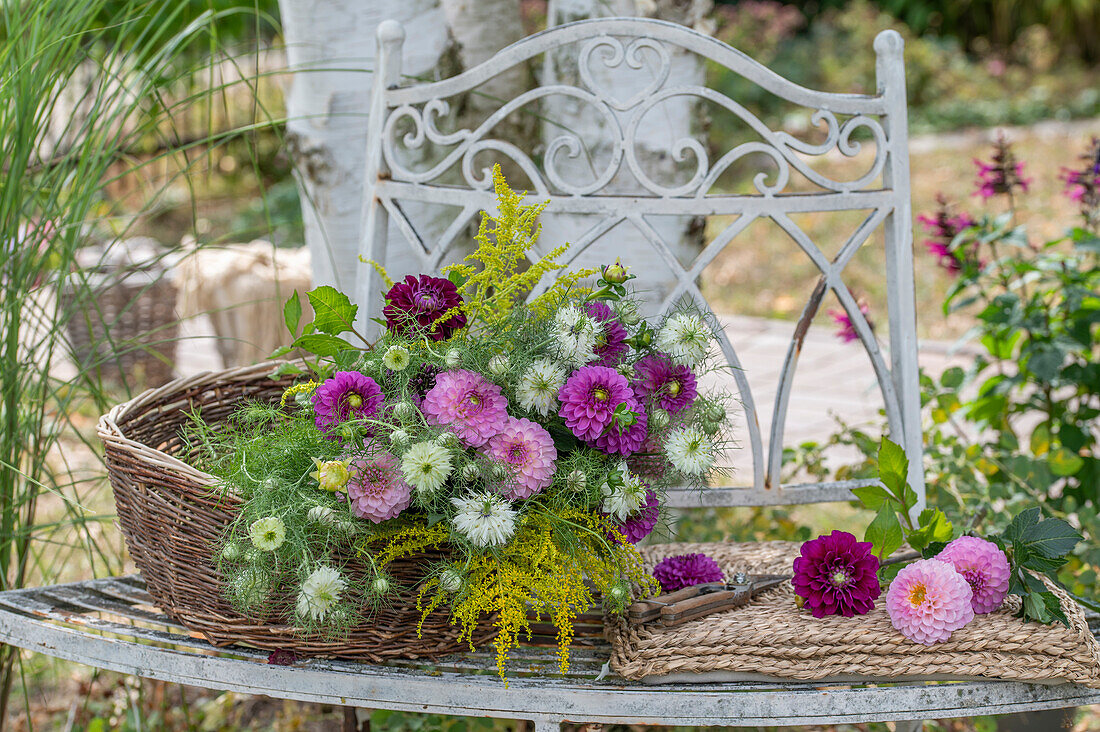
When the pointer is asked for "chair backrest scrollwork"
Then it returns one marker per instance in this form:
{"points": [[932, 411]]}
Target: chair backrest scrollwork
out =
{"points": [[421, 153]]}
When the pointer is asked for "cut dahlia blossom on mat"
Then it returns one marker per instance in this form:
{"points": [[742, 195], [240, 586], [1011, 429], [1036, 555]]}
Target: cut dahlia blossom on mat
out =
{"points": [[489, 438]]}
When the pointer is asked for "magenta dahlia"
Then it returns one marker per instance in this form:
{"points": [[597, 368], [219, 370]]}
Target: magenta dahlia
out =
{"points": [[983, 566], [686, 570], [625, 441], [415, 305], [528, 449], [348, 395], [928, 601], [611, 341], [837, 575], [377, 489], [672, 386], [589, 398], [468, 403], [640, 524]]}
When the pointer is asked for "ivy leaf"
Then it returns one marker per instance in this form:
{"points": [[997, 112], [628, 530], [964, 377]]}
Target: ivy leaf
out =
{"points": [[884, 533], [323, 345], [292, 313], [334, 313]]}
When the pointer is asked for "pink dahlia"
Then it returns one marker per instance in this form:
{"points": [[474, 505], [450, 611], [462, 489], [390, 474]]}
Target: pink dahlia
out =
{"points": [[529, 450], [468, 403], [837, 575], [686, 570], [348, 395], [611, 342], [983, 566], [377, 490], [589, 398], [625, 441], [415, 305], [928, 601], [672, 386], [640, 525]]}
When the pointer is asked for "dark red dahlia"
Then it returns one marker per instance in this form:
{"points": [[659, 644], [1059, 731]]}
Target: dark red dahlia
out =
{"points": [[611, 342], [837, 575], [423, 381], [672, 386], [414, 305], [686, 570]]}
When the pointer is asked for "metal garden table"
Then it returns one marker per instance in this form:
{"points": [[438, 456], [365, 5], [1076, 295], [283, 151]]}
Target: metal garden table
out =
{"points": [[418, 157], [111, 624]]}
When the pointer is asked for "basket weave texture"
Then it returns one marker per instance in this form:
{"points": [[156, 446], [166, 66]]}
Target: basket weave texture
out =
{"points": [[772, 637], [174, 518]]}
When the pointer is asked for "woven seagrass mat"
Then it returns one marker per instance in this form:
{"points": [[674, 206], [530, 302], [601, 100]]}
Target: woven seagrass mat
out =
{"points": [[772, 637]]}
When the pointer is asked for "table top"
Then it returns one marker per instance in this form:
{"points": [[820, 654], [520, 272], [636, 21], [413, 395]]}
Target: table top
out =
{"points": [[111, 623]]}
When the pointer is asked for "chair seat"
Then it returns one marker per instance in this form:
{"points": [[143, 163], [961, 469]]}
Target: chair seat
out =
{"points": [[110, 623]]}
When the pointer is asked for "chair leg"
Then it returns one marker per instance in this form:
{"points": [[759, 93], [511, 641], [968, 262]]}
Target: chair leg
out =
{"points": [[545, 724], [909, 725]]}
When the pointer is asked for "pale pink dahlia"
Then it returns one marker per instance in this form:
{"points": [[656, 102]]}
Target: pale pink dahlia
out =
{"points": [[672, 386], [468, 403], [348, 395], [529, 450], [611, 342], [928, 601], [625, 441], [377, 490], [589, 398], [983, 566]]}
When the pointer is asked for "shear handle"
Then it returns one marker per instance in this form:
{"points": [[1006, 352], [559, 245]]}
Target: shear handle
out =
{"points": [[648, 609], [705, 604]]}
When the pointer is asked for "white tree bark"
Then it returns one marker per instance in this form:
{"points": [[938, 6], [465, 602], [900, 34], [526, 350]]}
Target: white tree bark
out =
{"points": [[330, 48], [656, 139], [480, 28]]}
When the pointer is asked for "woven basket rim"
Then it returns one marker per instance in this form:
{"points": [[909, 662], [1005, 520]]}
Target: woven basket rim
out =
{"points": [[108, 425]]}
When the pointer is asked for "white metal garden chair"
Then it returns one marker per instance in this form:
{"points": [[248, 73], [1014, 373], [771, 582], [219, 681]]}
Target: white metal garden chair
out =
{"points": [[107, 622]]}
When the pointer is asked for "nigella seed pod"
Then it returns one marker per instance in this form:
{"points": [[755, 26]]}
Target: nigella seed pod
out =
{"points": [[576, 481], [716, 412], [659, 419], [231, 552], [399, 438], [710, 429], [451, 581], [404, 410], [448, 439], [380, 586], [471, 472], [499, 365], [452, 358]]}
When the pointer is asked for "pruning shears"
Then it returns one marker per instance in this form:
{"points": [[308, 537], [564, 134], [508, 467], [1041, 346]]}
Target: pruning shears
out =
{"points": [[697, 601]]}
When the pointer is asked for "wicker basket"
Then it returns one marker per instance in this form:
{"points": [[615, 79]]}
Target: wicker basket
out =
{"points": [[123, 324], [173, 517]]}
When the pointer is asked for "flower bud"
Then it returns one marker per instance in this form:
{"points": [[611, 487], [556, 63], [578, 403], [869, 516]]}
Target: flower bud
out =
{"points": [[451, 581], [616, 273], [452, 358], [499, 365]]}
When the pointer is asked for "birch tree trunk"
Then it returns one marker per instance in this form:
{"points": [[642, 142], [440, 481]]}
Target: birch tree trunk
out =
{"points": [[654, 143], [330, 47]]}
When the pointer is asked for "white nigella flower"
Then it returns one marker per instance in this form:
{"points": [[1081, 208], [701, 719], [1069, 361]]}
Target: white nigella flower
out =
{"points": [[626, 499], [426, 465], [690, 451], [396, 358], [685, 337], [320, 592], [574, 336], [539, 385], [485, 519], [268, 533]]}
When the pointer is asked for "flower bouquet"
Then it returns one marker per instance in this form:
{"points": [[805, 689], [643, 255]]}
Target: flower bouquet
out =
{"points": [[516, 448]]}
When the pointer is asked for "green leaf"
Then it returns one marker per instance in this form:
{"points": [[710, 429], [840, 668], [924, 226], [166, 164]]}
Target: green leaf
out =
{"points": [[884, 533], [333, 311], [292, 313], [323, 345], [933, 527], [1040, 440], [281, 351], [1051, 538], [1021, 522], [435, 518], [872, 496], [893, 467], [1064, 461], [952, 378], [284, 369]]}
